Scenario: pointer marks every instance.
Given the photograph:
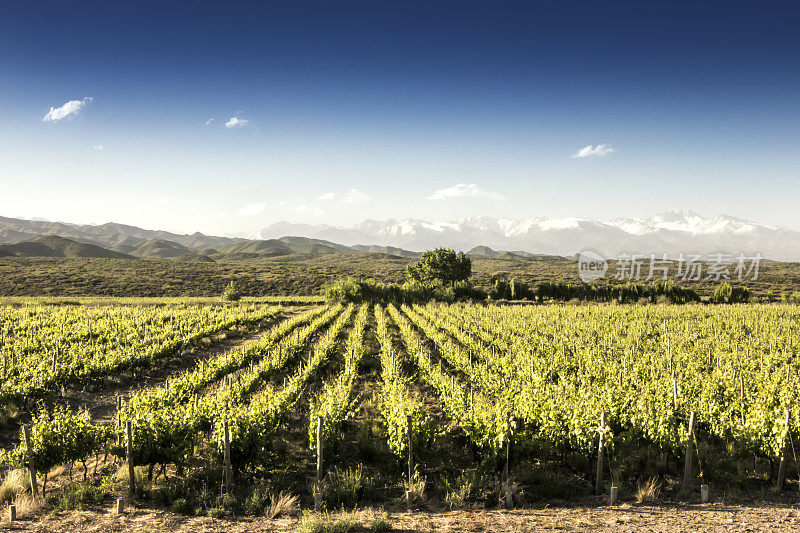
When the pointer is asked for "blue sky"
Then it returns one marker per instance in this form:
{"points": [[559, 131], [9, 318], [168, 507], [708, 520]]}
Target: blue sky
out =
{"points": [[354, 110]]}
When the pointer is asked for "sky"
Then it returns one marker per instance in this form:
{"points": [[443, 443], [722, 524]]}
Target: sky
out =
{"points": [[225, 117]]}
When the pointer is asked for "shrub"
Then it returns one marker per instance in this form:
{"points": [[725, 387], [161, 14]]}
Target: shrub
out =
{"points": [[283, 504], [726, 294], [346, 487], [232, 293], [458, 491], [15, 482], [380, 523], [181, 506], [79, 497], [359, 290], [327, 523], [648, 491], [504, 289]]}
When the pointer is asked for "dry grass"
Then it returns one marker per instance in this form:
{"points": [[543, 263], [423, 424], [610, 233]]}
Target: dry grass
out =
{"points": [[514, 491], [456, 494], [15, 482], [584, 515], [284, 504], [121, 475], [417, 489], [27, 506], [326, 522], [648, 491]]}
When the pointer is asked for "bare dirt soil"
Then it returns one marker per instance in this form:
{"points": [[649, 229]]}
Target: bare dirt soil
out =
{"points": [[714, 517]]}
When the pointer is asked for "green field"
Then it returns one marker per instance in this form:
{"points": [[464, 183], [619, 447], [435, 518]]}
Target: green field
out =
{"points": [[488, 405]]}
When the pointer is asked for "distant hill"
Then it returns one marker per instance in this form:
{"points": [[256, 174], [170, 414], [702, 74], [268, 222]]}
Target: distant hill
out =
{"points": [[13, 230], [485, 251], [194, 258], [29, 249], [267, 247], [301, 244], [388, 250], [285, 246], [482, 251], [52, 246], [122, 241], [160, 248]]}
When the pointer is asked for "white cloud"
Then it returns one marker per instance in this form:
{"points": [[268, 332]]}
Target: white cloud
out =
{"points": [[356, 197], [326, 196], [464, 190], [73, 107], [252, 209], [309, 209], [209, 121], [599, 150], [236, 122], [98, 147]]}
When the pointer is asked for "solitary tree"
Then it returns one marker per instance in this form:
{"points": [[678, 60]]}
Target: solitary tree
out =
{"points": [[440, 265], [231, 292]]}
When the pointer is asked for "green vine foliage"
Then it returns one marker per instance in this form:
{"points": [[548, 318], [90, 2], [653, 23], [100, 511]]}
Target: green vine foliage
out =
{"points": [[397, 401], [337, 403]]}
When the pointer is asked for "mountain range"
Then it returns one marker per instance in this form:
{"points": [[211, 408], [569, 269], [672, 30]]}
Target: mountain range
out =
{"points": [[670, 232]]}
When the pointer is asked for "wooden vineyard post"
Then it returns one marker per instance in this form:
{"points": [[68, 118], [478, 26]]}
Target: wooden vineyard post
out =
{"points": [[120, 506], [785, 448], [26, 433], [687, 466], [318, 484], [508, 458], [227, 451], [119, 420], [410, 462], [12, 513], [704, 493], [129, 455], [598, 487], [741, 388], [509, 498], [612, 498], [674, 393]]}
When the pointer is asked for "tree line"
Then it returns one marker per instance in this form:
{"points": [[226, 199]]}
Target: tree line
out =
{"points": [[443, 275]]}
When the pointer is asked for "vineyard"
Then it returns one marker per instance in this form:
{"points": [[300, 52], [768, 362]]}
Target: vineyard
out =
{"points": [[345, 404]]}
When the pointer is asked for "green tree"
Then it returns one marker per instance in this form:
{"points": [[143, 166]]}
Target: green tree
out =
{"points": [[232, 293], [441, 265], [725, 294]]}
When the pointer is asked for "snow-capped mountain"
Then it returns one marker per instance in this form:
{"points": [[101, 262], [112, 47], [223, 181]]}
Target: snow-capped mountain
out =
{"points": [[670, 232]]}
